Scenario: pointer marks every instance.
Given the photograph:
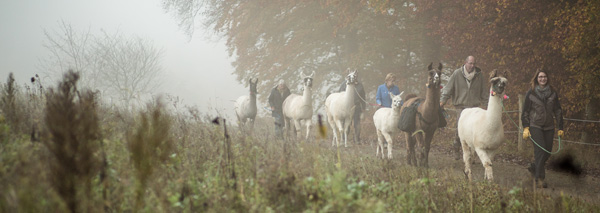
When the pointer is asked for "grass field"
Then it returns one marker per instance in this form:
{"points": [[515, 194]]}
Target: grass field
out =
{"points": [[66, 152]]}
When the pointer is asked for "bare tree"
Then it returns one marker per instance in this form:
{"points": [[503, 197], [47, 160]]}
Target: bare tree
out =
{"points": [[129, 67], [125, 69]]}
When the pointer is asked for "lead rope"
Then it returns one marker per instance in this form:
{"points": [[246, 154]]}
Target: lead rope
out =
{"points": [[361, 98], [521, 131]]}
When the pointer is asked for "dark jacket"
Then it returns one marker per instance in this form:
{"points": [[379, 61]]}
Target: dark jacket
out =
{"points": [[541, 113], [276, 100], [462, 95], [358, 100]]}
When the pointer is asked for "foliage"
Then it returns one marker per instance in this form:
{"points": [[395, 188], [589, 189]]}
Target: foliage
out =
{"points": [[72, 140], [279, 40], [186, 168], [150, 145], [126, 69]]}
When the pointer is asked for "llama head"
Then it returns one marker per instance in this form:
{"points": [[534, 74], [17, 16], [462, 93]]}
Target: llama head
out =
{"points": [[352, 77], [307, 79], [396, 100], [498, 81], [434, 78], [253, 90]]}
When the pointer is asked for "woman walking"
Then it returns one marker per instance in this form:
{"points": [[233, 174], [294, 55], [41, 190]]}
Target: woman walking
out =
{"points": [[540, 110]]}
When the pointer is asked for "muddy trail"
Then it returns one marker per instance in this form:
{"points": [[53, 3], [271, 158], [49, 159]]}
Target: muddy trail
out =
{"points": [[509, 171]]}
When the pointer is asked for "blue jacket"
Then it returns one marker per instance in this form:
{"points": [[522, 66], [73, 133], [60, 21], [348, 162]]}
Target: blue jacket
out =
{"points": [[383, 95]]}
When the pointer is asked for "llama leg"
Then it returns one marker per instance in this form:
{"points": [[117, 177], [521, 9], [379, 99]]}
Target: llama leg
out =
{"points": [[286, 127], [333, 128], [428, 138], [420, 149], [308, 126], [388, 138], [467, 154], [340, 129], [487, 164], [379, 144], [297, 128], [346, 130], [410, 149]]}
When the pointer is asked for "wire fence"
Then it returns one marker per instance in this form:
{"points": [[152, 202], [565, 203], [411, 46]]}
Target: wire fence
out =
{"points": [[520, 131]]}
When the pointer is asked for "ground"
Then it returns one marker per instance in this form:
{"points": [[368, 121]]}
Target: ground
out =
{"points": [[509, 170]]}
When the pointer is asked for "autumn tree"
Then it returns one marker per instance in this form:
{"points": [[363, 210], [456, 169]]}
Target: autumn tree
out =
{"points": [[521, 37], [125, 69], [279, 39]]}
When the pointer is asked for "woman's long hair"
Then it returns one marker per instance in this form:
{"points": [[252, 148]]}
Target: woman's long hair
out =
{"points": [[534, 81]]}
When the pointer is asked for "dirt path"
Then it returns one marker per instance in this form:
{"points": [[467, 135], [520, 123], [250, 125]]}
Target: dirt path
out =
{"points": [[510, 174]]}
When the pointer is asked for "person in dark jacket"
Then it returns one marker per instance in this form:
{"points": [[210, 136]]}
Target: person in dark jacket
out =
{"points": [[276, 98], [468, 88], [359, 106], [540, 110]]}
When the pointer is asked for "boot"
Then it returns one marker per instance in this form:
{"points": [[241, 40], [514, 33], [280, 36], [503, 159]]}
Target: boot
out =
{"points": [[531, 169], [540, 183]]}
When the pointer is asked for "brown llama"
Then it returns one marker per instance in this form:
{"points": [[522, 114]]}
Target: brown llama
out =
{"points": [[426, 119]]}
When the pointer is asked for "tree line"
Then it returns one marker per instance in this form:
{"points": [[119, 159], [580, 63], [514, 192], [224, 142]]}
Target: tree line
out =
{"points": [[278, 40]]}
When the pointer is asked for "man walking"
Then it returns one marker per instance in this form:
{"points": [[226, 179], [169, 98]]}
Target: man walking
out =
{"points": [[276, 98], [467, 88]]}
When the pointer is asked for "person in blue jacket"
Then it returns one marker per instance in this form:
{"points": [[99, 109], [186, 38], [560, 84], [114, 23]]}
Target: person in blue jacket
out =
{"points": [[383, 91]]}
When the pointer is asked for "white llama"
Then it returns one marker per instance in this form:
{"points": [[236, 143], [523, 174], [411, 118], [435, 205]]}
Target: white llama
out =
{"points": [[245, 107], [340, 109], [298, 108], [386, 122], [481, 131]]}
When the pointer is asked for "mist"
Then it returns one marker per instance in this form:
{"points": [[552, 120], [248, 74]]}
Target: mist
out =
{"points": [[195, 68]]}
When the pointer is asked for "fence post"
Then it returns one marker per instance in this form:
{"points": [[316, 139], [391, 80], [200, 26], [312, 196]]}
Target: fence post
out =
{"points": [[520, 144]]}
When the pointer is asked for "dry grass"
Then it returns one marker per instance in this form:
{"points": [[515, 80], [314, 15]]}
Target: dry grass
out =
{"points": [[169, 158]]}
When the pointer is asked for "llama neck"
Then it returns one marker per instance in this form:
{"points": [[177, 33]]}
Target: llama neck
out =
{"points": [[396, 112], [306, 95], [494, 110], [350, 90], [432, 97], [252, 99]]}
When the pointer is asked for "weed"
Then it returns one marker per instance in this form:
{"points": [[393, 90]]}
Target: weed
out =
{"points": [[72, 138]]}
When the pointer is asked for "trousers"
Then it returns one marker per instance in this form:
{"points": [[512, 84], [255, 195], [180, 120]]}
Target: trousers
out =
{"points": [[544, 138]]}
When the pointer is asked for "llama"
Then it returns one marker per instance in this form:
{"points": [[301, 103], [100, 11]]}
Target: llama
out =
{"points": [[298, 108], [481, 131], [386, 123], [340, 109], [245, 107], [426, 119]]}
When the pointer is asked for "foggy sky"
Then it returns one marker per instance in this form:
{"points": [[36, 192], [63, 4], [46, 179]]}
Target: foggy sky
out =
{"points": [[198, 70]]}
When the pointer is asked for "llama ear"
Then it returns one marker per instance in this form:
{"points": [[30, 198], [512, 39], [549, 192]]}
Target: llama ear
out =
{"points": [[494, 74], [401, 93], [430, 66], [505, 73], [392, 96], [255, 80], [312, 74], [440, 67]]}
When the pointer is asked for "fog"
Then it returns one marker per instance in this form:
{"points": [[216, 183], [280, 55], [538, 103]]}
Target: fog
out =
{"points": [[197, 69]]}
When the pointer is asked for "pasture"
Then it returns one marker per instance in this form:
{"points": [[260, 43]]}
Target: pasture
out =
{"points": [[171, 158]]}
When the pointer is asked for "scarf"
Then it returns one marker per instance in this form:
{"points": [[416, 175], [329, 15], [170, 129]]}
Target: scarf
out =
{"points": [[544, 93], [468, 76]]}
